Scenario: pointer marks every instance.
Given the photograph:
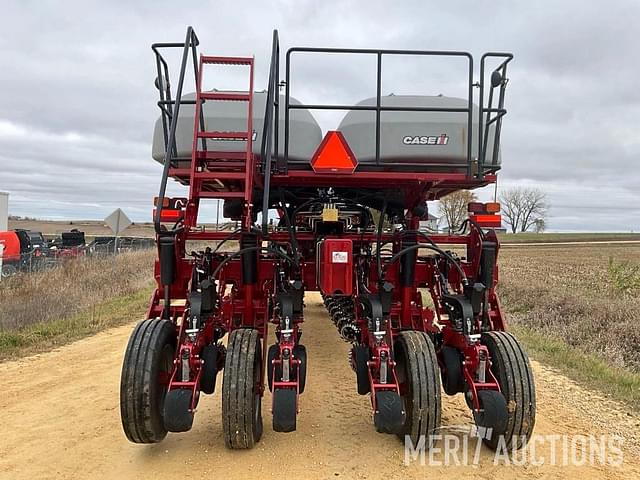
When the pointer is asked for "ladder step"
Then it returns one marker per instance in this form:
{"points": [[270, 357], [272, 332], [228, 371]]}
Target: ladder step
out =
{"points": [[226, 60], [220, 175], [224, 135], [230, 97], [221, 194], [214, 155]]}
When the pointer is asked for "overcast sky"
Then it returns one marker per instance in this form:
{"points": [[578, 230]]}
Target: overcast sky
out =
{"points": [[77, 102]]}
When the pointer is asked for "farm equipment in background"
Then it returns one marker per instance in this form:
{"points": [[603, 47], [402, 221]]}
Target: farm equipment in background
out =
{"points": [[419, 316], [68, 245], [23, 250]]}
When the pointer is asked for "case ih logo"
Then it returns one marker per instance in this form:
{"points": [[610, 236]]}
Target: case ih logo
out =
{"points": [[442, 139]]}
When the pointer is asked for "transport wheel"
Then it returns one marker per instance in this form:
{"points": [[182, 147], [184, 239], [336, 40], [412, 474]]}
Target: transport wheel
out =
{"points": [[389, 416], [241, 398], [419, 379], [360, 358], [8, 271], [284, 410], [177, 417], [452, 376], [512, 369], [210, 369], [146, 369]]}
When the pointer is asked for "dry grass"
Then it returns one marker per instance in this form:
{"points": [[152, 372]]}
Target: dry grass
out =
{"points": [[573, 294], [71, 288]]}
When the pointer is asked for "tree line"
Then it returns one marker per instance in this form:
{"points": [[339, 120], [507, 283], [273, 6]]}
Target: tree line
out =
{"points": [[523, 209]]}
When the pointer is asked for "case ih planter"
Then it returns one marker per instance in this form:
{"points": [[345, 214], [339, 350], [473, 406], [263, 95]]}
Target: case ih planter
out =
{"points": [[263, 154]]}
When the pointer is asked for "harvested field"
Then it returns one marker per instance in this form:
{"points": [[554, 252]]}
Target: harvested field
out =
{"points": [[570, 293]]}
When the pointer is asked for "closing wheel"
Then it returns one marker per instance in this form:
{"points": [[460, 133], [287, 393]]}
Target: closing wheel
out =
{"points": [[146, 369], [177, 417], [361, 356], [511, 367], [419, 378], [209, 355], [284, 410], [241, 398], [389, 416], [452, 376], [493, 413]]}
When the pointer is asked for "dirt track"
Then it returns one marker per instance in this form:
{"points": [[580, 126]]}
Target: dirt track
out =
{"points": [[60, 419]]}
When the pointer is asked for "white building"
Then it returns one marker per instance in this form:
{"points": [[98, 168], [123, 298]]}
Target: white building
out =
{"points": [[4, 211]]}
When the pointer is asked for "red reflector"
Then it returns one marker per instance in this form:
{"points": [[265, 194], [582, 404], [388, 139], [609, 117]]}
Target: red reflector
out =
{"points": [[334, 155], [492, 207], [475, 207], [167, 215], [488, 220]]}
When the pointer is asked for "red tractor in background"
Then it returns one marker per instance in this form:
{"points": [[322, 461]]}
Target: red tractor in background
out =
{"points": [[421, 318]]}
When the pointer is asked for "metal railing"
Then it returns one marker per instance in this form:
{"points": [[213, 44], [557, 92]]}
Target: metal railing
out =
{"points": [[270, 129], [170, 107], [378, 108]]}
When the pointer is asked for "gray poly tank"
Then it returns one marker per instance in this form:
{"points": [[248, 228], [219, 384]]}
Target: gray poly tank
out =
{"points": [[304, 132], [416, 138]]}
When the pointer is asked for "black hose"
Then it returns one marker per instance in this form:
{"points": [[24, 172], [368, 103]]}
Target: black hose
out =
{"points": [[247, 250], [291, 229], [435, 249], [226, 239]]}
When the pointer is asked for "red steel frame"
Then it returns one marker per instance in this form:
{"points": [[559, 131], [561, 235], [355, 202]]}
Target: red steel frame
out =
{"points": [[245, 304]]}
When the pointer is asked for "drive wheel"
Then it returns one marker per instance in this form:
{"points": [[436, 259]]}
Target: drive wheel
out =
{"points": [[241, 397], [146, 369], [511, 367], [419, 378]]}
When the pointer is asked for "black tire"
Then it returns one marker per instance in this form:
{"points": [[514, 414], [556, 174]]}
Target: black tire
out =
{"points": [[493, 414], [210, 369], [419, 378], [241, 398], [8, 271], [361, 356], [389, 416], [177, 417], [148, 358], [452, 376], [300, 352], [284, 410], [512, 369]]}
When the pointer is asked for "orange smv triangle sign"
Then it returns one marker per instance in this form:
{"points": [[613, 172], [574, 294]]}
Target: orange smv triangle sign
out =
{"points": [[334, 155]]}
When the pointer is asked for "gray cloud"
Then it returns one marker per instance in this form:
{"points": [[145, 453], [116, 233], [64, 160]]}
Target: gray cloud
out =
{"points": [[78, 102]]}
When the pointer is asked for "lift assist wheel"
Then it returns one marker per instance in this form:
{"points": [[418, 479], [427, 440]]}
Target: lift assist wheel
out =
{"points": [[241, 396], [148, 362], [511, 367], [419, 379]]}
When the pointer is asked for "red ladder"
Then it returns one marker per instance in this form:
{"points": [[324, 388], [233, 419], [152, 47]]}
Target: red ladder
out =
{"points": [[217, 174]]}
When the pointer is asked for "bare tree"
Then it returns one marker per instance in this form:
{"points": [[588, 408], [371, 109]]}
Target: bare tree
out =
{"points": [[540, 225], [453, 208], [523, 208]]}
